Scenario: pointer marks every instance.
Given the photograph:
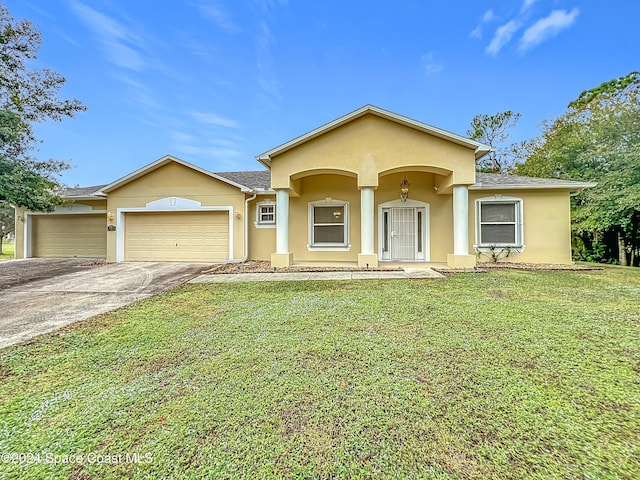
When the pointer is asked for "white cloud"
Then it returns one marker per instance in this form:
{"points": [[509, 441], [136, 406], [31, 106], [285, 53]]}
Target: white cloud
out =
{"points": [[546, 28], [120, 42], [219, 16], [502, 36], [488, 16], [209, 118], [431, 67], [266, 76], [528, 4]]}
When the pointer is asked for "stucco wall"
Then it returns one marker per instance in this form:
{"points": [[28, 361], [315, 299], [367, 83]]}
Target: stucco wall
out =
{"points": [[546, 222], [371, 145], [175, 180], [262, 241]]}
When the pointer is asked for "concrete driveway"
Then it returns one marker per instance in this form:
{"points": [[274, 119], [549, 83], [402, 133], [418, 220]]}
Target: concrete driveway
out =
{"points": [[41, 295]]}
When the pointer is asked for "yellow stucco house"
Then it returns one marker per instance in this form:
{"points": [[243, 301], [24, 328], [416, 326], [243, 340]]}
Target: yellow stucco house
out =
{"points": [[369, 187]]}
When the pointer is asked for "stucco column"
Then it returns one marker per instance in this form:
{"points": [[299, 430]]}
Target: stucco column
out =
{"points": [[367, 256], [282, 257], [460, 257]]}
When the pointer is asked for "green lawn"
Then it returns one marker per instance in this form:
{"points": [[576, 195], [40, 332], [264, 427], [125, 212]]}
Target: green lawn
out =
{"points": [[8, 251], [501, 375]]}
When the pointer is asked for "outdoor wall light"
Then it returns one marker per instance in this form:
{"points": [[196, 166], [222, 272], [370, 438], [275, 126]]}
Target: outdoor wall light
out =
{"points": [[238, 214], [404, 189], [110, 216]]}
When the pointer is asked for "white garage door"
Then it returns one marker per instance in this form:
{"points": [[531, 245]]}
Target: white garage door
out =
{"points": [[184, 236], [69, 235]]}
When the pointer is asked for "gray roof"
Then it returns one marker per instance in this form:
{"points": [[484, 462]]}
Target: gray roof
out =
{"points": [[252, 179], [261, 179], [82, 191], [493, 180]]}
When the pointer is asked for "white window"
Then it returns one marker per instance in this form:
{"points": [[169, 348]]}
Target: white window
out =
{"points": [[329, 225], [499, 222], [266, 214]]}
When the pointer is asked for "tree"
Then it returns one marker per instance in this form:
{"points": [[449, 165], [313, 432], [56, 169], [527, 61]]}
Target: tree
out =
{"points": [[493, 130], [598, 139], [7, 222], [27, 96]]}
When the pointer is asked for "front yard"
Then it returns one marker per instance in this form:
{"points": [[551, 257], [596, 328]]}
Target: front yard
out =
{"points": [[8, 251], [507, 374]]}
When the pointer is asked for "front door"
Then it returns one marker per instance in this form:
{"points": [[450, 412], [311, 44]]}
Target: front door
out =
{"points": [[403, 233]]}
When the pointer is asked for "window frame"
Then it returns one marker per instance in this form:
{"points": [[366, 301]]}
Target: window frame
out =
{"points": [[329, 246], [260, 223], [518, 223]]}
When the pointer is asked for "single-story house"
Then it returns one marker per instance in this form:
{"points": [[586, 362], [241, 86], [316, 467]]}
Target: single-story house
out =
{"points": [[369, 187]]}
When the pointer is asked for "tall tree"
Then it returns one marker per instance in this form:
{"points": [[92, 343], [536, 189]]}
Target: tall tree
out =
{"points": [[494, 130], [27, 96], [598, 139]]}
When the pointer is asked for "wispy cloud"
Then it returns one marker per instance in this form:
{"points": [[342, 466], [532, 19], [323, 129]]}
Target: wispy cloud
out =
{"points": [[527, 4], [219, 16], [266, 76], [221, 153], [120, 42], [431, 66], [546, 28], [210, 118], [502, 36], [487, 17]]}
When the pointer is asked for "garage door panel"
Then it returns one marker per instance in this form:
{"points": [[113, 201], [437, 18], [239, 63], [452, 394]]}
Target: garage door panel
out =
{"points": [[177, 236], [68, 236]]}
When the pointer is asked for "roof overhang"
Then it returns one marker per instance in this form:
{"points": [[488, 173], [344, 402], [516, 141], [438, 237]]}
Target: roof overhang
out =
{"points": [[160, 163], [97, 196], [479, 149], [573, 186]]}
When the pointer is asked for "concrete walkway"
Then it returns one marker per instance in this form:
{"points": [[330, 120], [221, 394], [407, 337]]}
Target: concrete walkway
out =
{"points": [[338, 275]]}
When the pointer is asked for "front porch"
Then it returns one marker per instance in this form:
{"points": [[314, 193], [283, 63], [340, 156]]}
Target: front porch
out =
{"points": [[333, 218]]}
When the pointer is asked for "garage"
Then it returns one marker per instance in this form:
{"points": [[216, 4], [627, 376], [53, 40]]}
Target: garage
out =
{"points": [[177, 236], [79, 235]]}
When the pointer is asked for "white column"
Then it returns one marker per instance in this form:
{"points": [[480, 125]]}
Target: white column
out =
{"points": [[460, 220], [366, 220], [282, 221]]}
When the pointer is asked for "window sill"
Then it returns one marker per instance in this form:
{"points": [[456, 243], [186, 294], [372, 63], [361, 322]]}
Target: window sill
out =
{"points": [[329, 248], [264, 225]]}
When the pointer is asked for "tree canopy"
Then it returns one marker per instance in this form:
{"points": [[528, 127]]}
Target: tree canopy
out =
{"points": [[27, 96], [598, 139], [494, 130]]}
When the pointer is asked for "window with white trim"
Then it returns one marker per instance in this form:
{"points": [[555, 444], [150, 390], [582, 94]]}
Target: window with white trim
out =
{"points": [[499, 222], [329, 224], [266, 214]]}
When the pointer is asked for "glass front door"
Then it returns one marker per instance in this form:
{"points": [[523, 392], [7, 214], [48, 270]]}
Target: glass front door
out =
{"points": [[403, 233]]}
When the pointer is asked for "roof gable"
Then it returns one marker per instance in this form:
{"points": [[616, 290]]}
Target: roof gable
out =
{"points": [[162, 162], [479, 148]]}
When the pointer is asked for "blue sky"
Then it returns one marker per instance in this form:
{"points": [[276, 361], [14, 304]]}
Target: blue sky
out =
{"points": [[216, 82]]}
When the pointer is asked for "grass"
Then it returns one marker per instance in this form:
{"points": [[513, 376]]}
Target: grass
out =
{"points": [[502, 375], [8, 251]]}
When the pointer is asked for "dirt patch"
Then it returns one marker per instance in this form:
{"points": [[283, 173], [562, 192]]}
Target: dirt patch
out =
{"points": [[535, 266], [264, 266], [18, 272]]}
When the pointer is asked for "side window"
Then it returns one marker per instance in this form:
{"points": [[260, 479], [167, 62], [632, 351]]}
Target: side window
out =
{"points": [[499, 222], [266, 214]]}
